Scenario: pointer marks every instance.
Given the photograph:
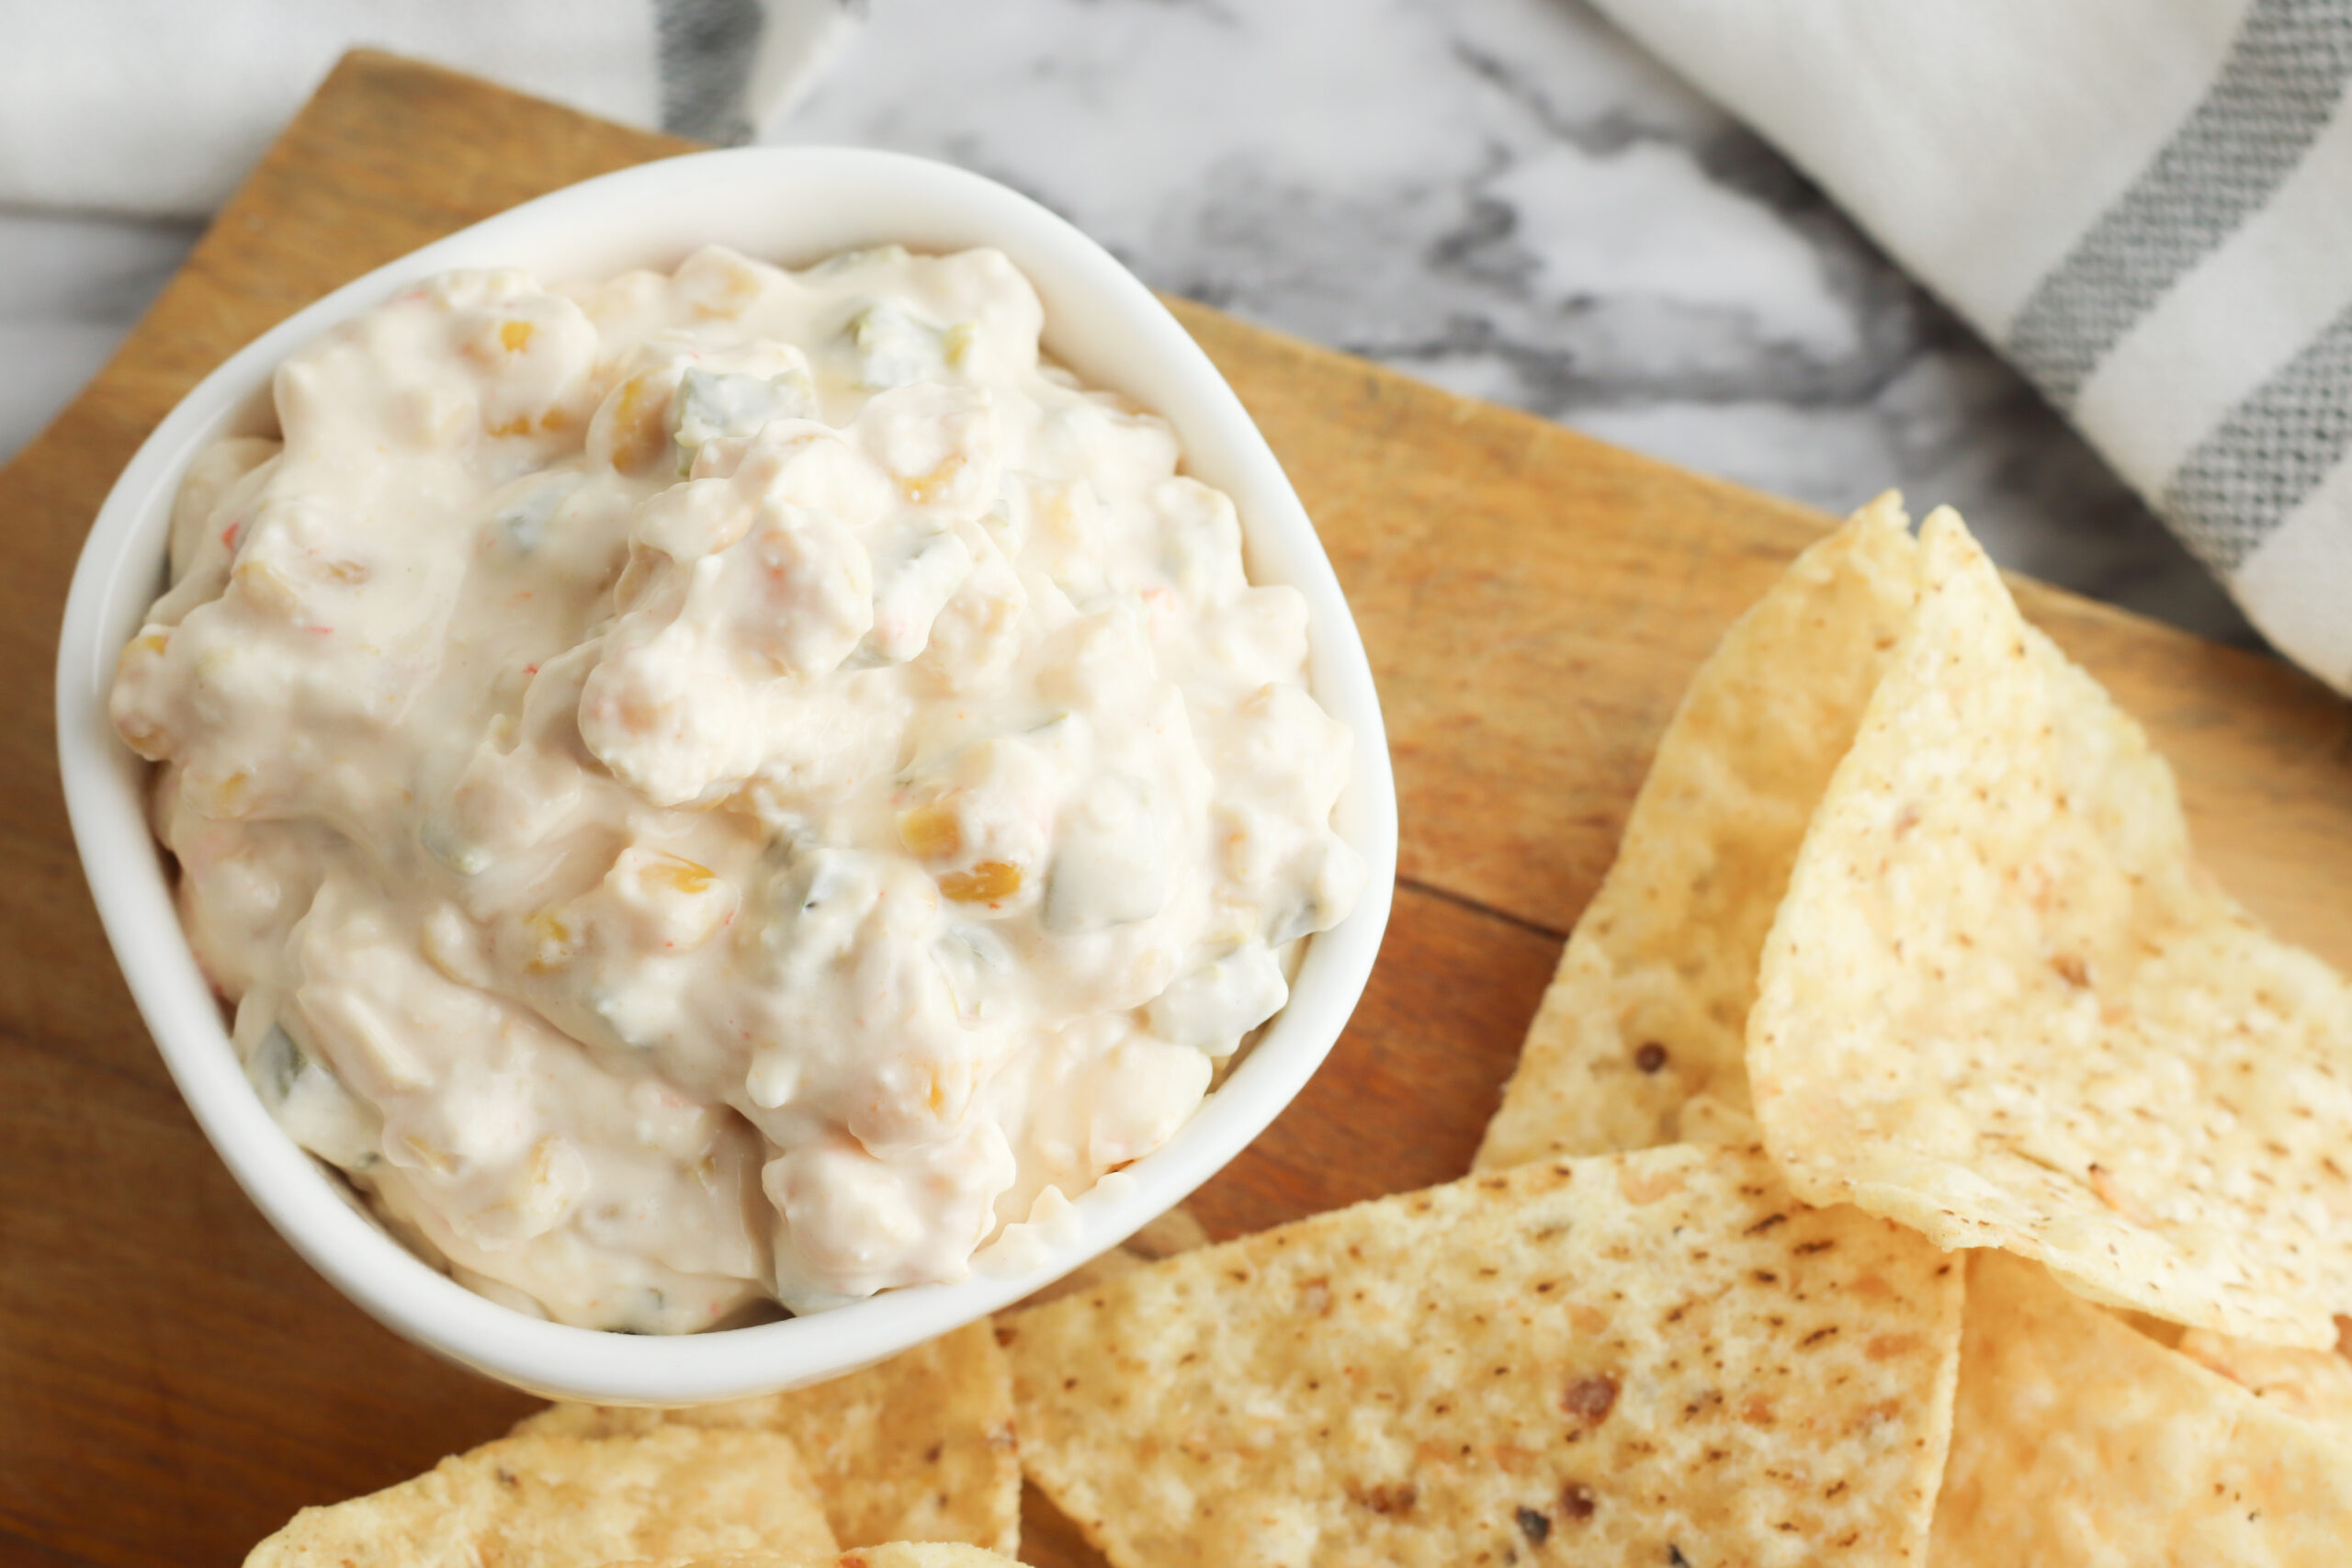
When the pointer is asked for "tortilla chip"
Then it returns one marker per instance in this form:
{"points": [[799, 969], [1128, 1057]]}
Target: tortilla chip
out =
{"points": [[2310, 1385], [2075, 1440], [2002, 1004], [896, 1554], [919, 1448], [1650, 1003], [1623, 1358], [558, 1502], [1706, 1120]]}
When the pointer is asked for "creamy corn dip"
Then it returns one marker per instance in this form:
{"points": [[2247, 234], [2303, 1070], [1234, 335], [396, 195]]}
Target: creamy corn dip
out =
{"points": [[728, 786]]}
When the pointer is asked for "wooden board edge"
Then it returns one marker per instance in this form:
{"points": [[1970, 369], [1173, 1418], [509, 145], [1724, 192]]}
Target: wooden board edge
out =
{"points": [[2065, 612]]}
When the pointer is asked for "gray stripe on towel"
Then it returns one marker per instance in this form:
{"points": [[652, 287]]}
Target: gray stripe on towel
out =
{"points": [[2268, 457], [2280, 85], [707, 47]]}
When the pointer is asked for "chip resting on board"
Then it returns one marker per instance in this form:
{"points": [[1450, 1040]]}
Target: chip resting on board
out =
{"points": [[550, 1501], [919, 1448], [2001, 1002], [2076, 1439], [1614, 1359], [1649, 1006]]}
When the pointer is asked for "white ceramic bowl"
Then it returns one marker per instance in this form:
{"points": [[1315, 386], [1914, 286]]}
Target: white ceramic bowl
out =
{"points": [[793, 206]]}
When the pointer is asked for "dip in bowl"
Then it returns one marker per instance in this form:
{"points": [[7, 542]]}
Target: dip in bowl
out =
{"points": [[644, 689]]}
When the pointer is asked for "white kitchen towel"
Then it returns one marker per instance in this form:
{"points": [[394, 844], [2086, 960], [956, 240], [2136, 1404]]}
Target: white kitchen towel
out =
{"points": [[2145, 204], [159, 107]]}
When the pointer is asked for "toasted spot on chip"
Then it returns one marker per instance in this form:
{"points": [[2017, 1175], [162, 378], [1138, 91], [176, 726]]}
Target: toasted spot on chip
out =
{"points": [[1644, 1186], [556, 1500], [1527, 1363], [2030, 1020], [2076, 1440], [919, 1448], [1591, 1397], [1647, 1008]]}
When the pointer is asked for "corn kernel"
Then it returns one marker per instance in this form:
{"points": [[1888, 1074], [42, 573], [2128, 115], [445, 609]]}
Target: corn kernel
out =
{"points": [[432, 1156], [680, 873], [267, 587], [640, 435], [923, 491], [718, 287], [142, 736], [228, 800], [930, 833], [984, 884], [558, 942], [514, 337]]}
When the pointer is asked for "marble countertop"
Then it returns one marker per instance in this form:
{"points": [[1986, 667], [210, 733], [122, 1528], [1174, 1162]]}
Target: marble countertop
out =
{"points": [[1501, 195]]}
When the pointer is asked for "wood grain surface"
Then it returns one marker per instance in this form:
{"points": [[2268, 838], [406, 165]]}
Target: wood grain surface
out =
{"points": [[174, 1382]]}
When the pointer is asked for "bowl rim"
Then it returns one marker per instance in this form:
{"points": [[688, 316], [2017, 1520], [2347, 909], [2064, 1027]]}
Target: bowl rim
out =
{"points": [[1088, 295]]}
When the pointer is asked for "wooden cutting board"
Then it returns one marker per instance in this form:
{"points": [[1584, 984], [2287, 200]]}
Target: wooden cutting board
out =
{"points": [[174, 1382]]}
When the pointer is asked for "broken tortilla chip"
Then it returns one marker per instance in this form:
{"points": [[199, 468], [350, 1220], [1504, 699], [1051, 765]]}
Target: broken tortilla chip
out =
{"points": [[557, 1501], [2076, 1439], [1649, 1006], [1644, 1358], [2002, 1004], [918, 1448]]}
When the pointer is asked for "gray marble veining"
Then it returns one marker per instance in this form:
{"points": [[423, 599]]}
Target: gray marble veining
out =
{"points": [[1501, 195], [1509, 199], [69, 288]]}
